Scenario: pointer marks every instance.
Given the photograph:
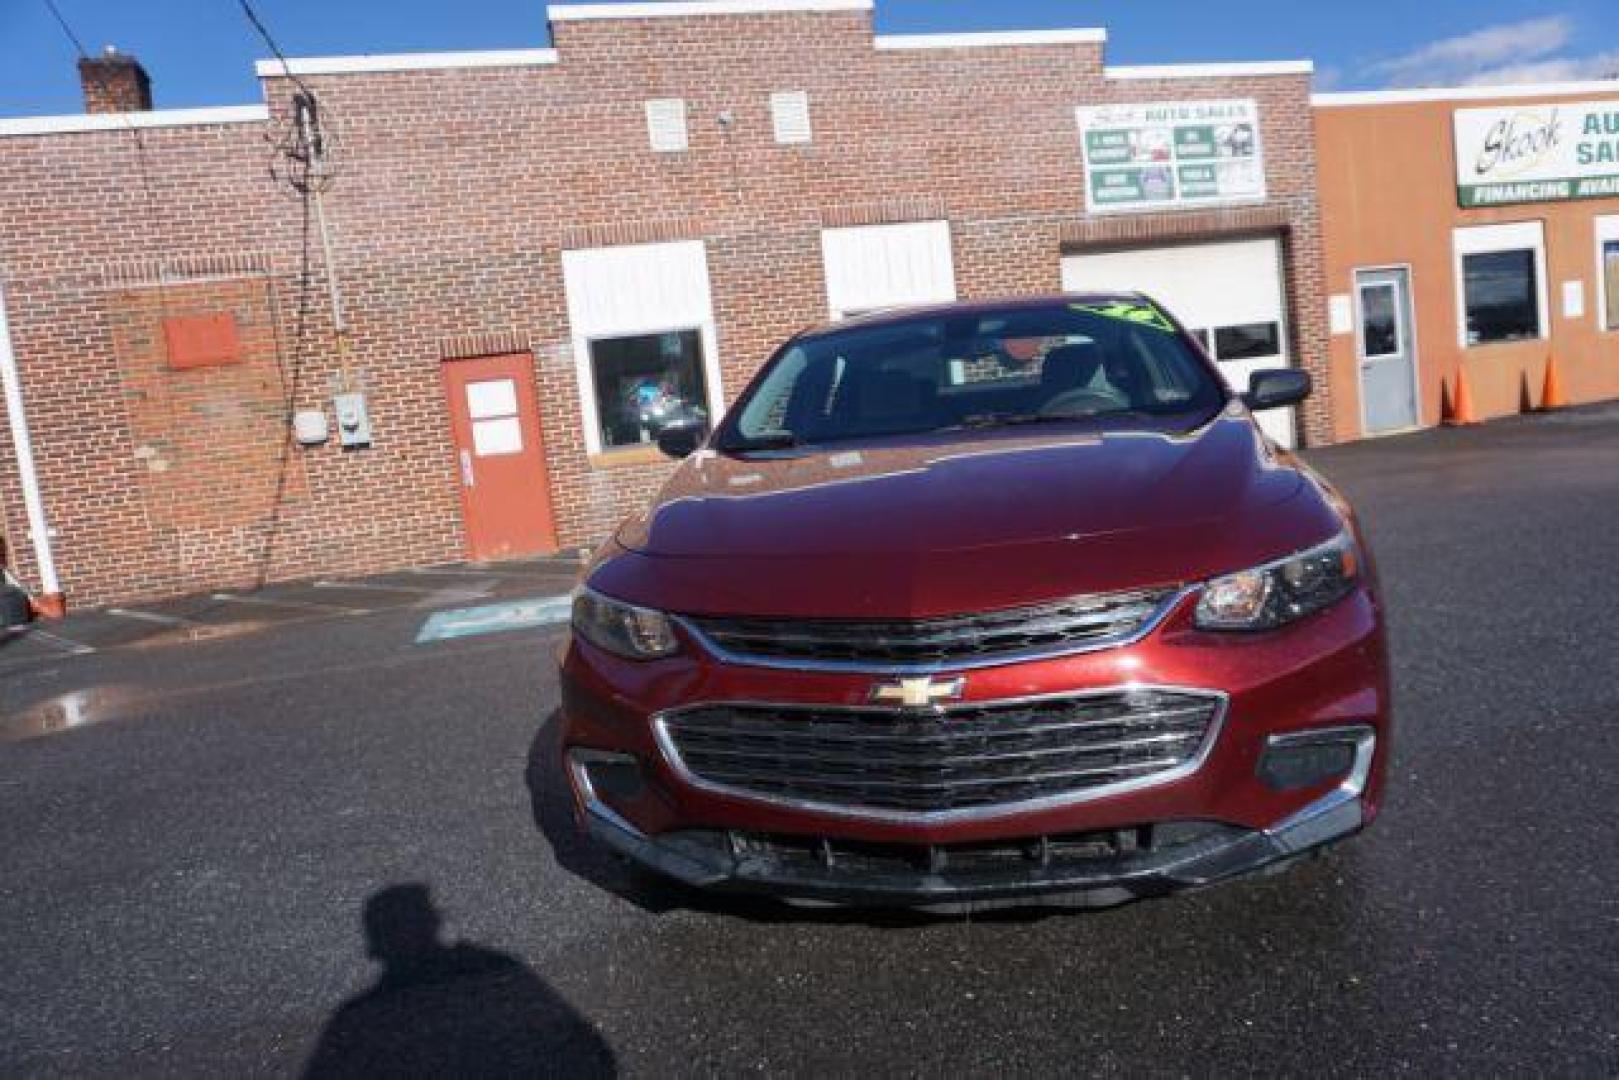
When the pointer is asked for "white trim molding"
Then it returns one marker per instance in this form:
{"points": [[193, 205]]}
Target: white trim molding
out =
{"points": [[157, 118], [687, 8], [907, 42], [1607, 232], [1462, 93], [1237, 70], [425, 61]]}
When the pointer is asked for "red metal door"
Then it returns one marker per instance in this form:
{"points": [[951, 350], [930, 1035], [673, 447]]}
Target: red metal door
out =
{"points": [[500, 460]]}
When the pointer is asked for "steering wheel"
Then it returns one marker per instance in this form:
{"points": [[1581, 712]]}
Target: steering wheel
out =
{"points": [[1081, 401]]}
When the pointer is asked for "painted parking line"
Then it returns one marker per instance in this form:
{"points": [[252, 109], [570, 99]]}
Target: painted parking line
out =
{"points": [[152, 617], [526, 573], [367, 586], [428, 571], [495, 618], [74, 647], [297, 605]]}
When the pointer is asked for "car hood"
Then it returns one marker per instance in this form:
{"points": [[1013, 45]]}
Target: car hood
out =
{"points": [[962, 522]]}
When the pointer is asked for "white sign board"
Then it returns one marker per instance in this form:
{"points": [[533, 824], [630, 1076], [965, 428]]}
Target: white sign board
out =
{"points": [[1537, 153], [1341, 313], [1573, 299], [1171, 154]]}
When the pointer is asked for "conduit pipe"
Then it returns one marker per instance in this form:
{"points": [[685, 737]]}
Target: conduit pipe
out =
{"points": [[50, 600]]}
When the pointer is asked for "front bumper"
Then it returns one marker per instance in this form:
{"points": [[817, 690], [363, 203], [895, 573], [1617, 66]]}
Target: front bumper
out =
{"points": [[1323, 678], [1104, 873]]}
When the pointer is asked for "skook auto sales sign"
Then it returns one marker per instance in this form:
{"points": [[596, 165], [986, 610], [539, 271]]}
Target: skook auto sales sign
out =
{"points": [[1537, 153]]}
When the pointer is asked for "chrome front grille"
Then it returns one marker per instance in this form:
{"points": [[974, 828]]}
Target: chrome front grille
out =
{"points": [[1074, 625], [960, 760]]}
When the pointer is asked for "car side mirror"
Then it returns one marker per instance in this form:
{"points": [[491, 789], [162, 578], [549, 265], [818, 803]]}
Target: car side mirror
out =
{"points": [[1277, 389], [680, 441]]}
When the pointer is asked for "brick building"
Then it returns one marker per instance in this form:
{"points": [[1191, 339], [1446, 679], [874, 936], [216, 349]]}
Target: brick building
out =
{"points": [[1471, 235], [540, 251]]}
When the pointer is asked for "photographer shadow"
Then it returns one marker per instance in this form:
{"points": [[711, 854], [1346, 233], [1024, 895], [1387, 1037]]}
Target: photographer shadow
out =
{"points": [[458, 1009]]}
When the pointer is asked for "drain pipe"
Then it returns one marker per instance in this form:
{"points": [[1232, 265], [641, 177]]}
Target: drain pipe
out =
{"points": [[50, 601]]}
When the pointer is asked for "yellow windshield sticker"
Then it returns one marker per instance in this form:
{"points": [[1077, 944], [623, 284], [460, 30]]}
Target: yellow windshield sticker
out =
{"points": [[1140, 313]]}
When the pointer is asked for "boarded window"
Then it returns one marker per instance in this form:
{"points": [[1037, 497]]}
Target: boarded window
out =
{"points": [[790, 115], [666, 125], [196, 341]]}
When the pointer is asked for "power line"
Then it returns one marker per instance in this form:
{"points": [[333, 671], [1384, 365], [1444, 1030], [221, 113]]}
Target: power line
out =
{"points": [[142, 163], [263, 31], [84, 54], [306, 148]]}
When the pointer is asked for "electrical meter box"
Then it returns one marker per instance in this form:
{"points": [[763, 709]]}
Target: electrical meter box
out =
{"points": [[353, 422]]}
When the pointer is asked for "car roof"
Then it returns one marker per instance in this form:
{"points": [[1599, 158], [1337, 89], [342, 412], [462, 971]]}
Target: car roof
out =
{"points": [[889, 316]]}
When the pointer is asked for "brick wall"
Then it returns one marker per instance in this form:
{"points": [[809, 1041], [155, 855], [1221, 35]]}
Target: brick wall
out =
{"points": [[459, 189]]}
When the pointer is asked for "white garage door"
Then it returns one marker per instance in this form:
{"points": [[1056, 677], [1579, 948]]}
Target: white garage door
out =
{"points": [[1229, 294], [873, 267]]}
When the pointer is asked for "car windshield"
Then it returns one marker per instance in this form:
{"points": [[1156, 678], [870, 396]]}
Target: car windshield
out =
{"points": [[1110, 362]]}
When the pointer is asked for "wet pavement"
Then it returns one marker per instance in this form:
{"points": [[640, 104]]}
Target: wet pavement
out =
{"points": [[296, 607], [208, 862]]}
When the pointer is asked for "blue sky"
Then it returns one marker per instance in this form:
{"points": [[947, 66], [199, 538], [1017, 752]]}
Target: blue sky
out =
{"points": [[200, 52]]}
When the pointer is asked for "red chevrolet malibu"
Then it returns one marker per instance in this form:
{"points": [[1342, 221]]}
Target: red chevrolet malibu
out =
{"points": [[977, 603]]}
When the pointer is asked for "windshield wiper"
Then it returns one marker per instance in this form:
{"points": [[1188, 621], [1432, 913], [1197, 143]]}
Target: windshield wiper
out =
{"points": [[992, 420], [784, 440]]}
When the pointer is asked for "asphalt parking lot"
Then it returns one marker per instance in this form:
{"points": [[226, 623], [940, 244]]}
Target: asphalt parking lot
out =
{"points": [[196, 807]]}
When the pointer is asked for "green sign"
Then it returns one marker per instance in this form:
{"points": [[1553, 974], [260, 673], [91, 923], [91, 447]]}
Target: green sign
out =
{"points": [[1165, 154], [1194, 143], [1142, 314], [1112, 147], [1199, 181]]}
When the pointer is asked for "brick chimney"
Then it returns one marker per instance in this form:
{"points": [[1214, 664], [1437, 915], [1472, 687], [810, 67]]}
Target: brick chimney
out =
{"points": [[115, 83]]}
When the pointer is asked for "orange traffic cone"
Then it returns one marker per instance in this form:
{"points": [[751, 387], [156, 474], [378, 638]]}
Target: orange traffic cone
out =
{"points": [[1461, 403], [1551, 393]]}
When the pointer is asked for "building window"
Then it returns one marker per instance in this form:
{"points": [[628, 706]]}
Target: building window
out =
{"points": [[642, 343], [1501, 283], [1608, 272], [1248, 342], [1379, 320], [646, 383], [1610, 278], [1500, 288]]}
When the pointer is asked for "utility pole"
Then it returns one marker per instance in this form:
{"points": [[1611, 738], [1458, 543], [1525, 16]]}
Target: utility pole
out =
{"points": [[312, 143]]}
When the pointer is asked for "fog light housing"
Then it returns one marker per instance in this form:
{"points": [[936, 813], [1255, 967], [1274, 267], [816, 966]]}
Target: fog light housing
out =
{"points": [[1308, 759], [606, 777]]}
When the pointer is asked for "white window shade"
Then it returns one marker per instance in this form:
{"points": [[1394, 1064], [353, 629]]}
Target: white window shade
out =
{"points": [[637, 288], [666, 125], [874, 267], [790, 114]]}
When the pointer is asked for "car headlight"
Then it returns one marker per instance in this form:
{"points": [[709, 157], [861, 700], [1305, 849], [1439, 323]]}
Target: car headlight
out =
{"points": [[1279, 592], [635, 633]]}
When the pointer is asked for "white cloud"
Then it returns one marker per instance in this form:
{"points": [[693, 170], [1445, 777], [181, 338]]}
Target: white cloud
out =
{"points": [[1534, 50], [1556, 69]]}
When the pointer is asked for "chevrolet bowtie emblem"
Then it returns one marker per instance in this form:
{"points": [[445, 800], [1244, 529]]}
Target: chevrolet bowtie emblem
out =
{"points": [[922, 693]]}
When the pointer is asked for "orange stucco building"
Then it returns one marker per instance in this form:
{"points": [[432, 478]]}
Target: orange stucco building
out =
{"points": [[1469, 233]]}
